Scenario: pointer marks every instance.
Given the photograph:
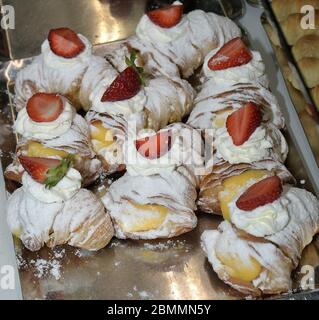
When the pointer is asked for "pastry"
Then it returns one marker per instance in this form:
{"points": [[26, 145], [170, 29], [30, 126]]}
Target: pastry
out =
{"points": [[156, 197], [216, 100], [51, 208], [174, 44], [153, 104], [235, 62], [60, 68], [261, 244], [49, 127]]}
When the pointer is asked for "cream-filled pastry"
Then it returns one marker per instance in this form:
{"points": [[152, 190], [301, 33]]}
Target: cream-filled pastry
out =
{"points": [[269, 227], [177, 47], [141, 103], [156, 197], [217, 99], [51, 208], [65, 61], [49, 127], [235, 62]]}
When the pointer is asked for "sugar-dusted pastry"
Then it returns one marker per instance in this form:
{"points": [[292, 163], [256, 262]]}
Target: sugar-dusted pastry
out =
{"points": [[51, 208], [222, 184], [174, 44], [217, 99], [234, 61], [125, 102], [261, 244], [285, 8], [49, 127], [243, 143], [60, 68], [156, 197]]}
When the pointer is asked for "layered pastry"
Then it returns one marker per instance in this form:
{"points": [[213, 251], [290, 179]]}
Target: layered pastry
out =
{"points": [[259, 246], [235, 62], [156, 197], [217, 99], [51, 208], [126, 102], [49, 127], [174, 44], [65, 61], [242, 145]]}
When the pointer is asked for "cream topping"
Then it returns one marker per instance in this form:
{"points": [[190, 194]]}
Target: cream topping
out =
{"points": [[253, 71], [57, 62], [148, 31], [256, 148], [262, 221], [65, 189], [28, 128]]}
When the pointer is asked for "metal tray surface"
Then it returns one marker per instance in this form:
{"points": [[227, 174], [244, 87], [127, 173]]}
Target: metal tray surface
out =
{"points": [[166, 269]]}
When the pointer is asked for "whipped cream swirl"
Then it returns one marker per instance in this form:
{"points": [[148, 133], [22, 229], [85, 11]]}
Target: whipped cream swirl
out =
{"points": [[148, 31], [253, 71], [262, 221], [57, 62], [65, 189], [256, 148], [30, 129]]}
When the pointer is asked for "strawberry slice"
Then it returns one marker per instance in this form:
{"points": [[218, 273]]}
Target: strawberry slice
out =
{"points": [[125, 86], [242, 123], [233, 54], [65, 43], [45, 170], [265, 191], [155, 146], [166, 17], [44, 107]]}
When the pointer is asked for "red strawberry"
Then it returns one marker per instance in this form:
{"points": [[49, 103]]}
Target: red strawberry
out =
{"points": [[45, 170], [125, 86], [166, 17], [44, 107], [265, 191], [233, 54], [154, 147], [65, 42], [242, 123]]}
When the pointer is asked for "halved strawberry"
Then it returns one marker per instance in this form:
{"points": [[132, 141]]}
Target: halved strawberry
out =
{"points": [[156, 146], [166, 17], [265, 191], [127, 84], [44, 107], [242, 123], [233, 54], [45, 170], [65, 42]]}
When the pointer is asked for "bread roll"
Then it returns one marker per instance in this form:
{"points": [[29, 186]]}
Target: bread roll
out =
{"points": [[306, 47], [293, 31], [284, 8], [310, 70]]}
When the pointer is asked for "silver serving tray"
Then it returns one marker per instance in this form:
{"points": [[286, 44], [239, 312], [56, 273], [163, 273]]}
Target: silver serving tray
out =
{"points": [[167, 269]]}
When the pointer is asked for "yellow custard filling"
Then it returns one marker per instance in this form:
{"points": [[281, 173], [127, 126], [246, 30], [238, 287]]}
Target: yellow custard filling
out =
{"points": [[232, 185], [239, 269], [36, 149], [144, 217], [101, 137]]}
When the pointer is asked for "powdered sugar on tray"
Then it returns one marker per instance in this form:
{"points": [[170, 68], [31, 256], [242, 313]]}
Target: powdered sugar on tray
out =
{"points": [[177, 244], [40, 267]]}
